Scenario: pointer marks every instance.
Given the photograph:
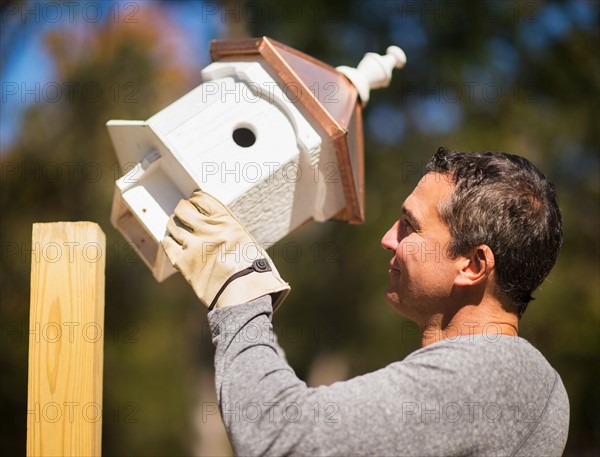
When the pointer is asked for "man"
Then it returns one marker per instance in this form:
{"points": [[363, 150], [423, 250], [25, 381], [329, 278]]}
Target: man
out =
{"points": [[476, 237]]}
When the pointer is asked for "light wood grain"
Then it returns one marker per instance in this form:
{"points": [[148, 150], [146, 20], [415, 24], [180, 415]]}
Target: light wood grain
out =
{"points": [[64, 409]]}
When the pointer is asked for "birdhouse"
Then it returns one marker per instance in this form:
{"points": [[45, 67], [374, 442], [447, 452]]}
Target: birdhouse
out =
{"points": [[271, 132]]}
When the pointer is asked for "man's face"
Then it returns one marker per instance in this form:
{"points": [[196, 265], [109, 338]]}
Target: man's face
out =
{"points": [[421, 274]]}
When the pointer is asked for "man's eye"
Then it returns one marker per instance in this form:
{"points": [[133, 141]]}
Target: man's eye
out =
{"points": [[407, 226]]}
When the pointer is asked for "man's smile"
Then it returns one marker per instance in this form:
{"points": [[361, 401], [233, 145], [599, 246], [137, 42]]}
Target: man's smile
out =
{"points": [[393, 267]]}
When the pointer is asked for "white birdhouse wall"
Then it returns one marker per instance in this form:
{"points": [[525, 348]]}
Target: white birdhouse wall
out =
{"points": [[242, 139]]}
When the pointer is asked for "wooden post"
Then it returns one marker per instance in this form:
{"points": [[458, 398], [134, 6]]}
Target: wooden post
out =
{"points": [[66, 339]]}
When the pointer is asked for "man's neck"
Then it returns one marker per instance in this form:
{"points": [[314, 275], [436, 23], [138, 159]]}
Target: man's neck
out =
{"points": [[488, 319]]}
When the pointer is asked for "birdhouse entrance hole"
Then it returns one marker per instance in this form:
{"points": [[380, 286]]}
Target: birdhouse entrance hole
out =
{"points": [[244, 137]]}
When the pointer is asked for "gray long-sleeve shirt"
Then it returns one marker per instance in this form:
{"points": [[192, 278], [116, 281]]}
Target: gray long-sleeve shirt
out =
{"points": [[471, 395]]}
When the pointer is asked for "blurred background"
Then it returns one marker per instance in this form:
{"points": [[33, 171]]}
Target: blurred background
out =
{"points": [[517, 76]]}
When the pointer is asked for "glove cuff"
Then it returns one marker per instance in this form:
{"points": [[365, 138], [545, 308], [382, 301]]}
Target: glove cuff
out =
{"points": [[253, 282]]}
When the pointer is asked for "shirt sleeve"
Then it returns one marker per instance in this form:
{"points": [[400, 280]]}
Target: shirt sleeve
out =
{"points": [[261, 399], [268, 410]]}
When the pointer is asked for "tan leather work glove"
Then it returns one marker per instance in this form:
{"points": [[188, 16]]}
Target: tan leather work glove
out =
{"points": [[215, 253]]}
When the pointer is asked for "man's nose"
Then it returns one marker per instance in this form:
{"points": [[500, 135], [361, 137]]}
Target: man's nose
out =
{"points": [[390, 239]]}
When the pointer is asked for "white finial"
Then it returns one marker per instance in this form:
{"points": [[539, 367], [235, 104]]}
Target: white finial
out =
{"points": [[374, 71]]}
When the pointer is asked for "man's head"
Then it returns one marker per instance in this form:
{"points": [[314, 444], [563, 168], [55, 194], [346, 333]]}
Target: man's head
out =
{"points": [[501, 215], [502, 201]]}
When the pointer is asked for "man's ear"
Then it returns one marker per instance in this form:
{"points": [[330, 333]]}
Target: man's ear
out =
{"points": [[476, 266]]}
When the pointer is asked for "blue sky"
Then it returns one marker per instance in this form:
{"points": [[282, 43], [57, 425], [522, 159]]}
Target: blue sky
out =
{"points": [[31, 69]]}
